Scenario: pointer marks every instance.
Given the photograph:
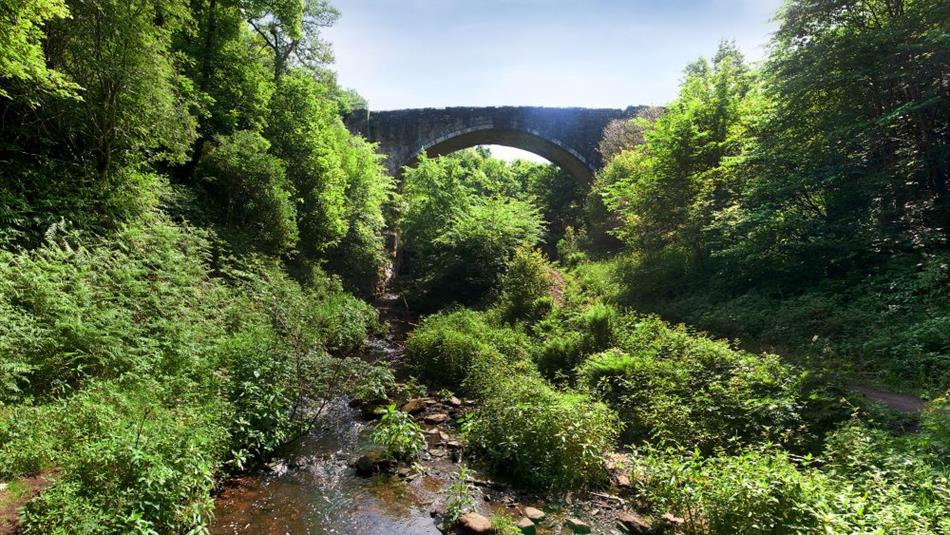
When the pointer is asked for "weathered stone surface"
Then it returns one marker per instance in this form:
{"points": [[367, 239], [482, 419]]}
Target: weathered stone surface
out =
{"points": [[414, 406], [623, 480], [370, 463], [526, 526], [577, 526], [534, 514], [566, 136], [474, 524], [633, 523], [668, 523], [436, 418], [454, 402]]}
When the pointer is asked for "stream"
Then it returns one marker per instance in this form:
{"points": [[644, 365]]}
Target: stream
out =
{"points": [[314, 490], [313, 487]]}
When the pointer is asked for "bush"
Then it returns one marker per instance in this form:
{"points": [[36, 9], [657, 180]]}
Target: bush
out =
{"points": [[570, 337], [132, 458], [400, 437], [142, 377], [472, 251], [252, 190], [758, 491], [446, 346], [540, 437], [867, 481], [678, 388], [524, 288]]}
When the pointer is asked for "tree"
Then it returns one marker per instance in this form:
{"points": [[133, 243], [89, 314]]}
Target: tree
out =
{"points": [[662, 188], [291, 30], [360, 257], [134, 105], [621, 134], [862, 119], [253, 191], [306, 133], [21, 46]]}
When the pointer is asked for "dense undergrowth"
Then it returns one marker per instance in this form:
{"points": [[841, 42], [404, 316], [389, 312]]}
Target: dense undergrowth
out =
{"points": [[731, 441], [142, 369], [183, 218]]}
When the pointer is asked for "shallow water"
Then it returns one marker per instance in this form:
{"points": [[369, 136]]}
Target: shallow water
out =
{"points": [[314, 491]]}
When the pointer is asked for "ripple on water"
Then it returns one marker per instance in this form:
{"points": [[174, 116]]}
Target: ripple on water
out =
{"points": [[321, 494]]}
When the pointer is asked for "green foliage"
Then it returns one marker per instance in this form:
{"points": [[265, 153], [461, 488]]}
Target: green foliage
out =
{"points": [[446, 346], [460, 228], [306, 133], [502, 524], [525, 287], [256, 197], [868, 481], [799, 205], [460, 496], [570, 336], [21, 46], [291, 30], [142, 377], [662, 188], [133, 458], [561, 198], [361, 256], [758, 491], [134, 104], [400, 437], [677, 388], [541, 437]]}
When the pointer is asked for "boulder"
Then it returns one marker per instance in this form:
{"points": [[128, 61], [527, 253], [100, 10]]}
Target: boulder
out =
{"points": [[414, 406], [474, 524], [577, 526], [668, 523], [526, 526], [370, 463], [436, 418], [632, 523], [533, 514], [454, 402]]}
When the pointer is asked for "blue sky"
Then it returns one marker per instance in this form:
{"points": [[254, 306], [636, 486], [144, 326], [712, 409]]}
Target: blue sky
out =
{"points": [[590, 53]]}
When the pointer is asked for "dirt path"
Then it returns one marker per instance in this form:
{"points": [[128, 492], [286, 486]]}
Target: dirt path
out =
{"points": [[15, 494], [899, 402]]}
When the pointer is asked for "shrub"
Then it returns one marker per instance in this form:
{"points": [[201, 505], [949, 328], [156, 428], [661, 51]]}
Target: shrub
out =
{"points": [[758, 491], [560, 353], [472, 250], [446, 346], [679, 388], [541, 437], [252, 190], [130, 460], [900, 482], [400, 437], [571, 337], [869, 482], [524, 288], [142, 377]]}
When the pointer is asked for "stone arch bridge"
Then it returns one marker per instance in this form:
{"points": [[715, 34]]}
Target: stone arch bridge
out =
{"points": [[567, 137]]}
